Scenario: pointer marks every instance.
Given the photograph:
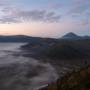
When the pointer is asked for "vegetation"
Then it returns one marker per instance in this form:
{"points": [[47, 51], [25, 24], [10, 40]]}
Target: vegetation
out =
{"points": [[60, 49], [74, 81], [68, 49]]}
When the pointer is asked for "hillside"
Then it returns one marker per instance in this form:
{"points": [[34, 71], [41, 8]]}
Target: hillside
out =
{"points": [[59, 49], [39, 48], [19, 38], [79, 80], [74, 53], [25, 38], [70, 49]]}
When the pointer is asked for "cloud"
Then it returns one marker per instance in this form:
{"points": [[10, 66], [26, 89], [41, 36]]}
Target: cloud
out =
{"points": [[27, 16], [85, 23], [11, 14], [4, 3], [38, 15], [8, 20], [79, 6], [79, 11]]}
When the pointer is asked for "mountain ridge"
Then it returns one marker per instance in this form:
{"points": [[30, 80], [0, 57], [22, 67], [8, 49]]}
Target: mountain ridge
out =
{"points": [[74, 36], [26, 38]]}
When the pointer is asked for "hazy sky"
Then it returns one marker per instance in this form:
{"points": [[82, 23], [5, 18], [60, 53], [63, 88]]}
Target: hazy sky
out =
{"points": [[46, 18]]}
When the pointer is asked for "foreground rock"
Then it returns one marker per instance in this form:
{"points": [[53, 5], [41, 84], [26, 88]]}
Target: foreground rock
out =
{"points": [[79, 80]]}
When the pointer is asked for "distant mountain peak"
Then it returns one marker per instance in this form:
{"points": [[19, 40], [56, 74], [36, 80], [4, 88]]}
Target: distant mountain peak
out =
{"points": [[71, 35]]}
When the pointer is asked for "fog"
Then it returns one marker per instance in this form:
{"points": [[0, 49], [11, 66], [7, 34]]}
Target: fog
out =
{"points": [[22, 73]]}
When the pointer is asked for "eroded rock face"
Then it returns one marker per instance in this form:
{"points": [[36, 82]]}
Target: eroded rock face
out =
{"points": [[74, 81]]}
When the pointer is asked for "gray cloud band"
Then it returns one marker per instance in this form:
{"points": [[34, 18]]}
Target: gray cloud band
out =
{"points": [[34, 15]]}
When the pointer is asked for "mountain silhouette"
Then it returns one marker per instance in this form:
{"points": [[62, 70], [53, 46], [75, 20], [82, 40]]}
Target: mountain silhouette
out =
{"points": [[71, 35]]}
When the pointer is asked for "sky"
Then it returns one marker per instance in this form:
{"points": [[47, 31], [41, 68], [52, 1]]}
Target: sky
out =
{"points": [[44, 18]]}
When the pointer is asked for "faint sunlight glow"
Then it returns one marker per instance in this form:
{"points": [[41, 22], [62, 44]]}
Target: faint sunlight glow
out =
{"points": [[33, 29], [41, 29]]}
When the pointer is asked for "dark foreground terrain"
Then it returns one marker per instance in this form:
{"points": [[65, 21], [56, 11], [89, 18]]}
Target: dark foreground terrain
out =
{"points": [[59, 49], [79, 80], [66, 56], [44, 60]]}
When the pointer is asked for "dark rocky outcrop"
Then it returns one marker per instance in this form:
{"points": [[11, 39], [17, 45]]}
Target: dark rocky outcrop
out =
{"points": [[79, 80]]}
